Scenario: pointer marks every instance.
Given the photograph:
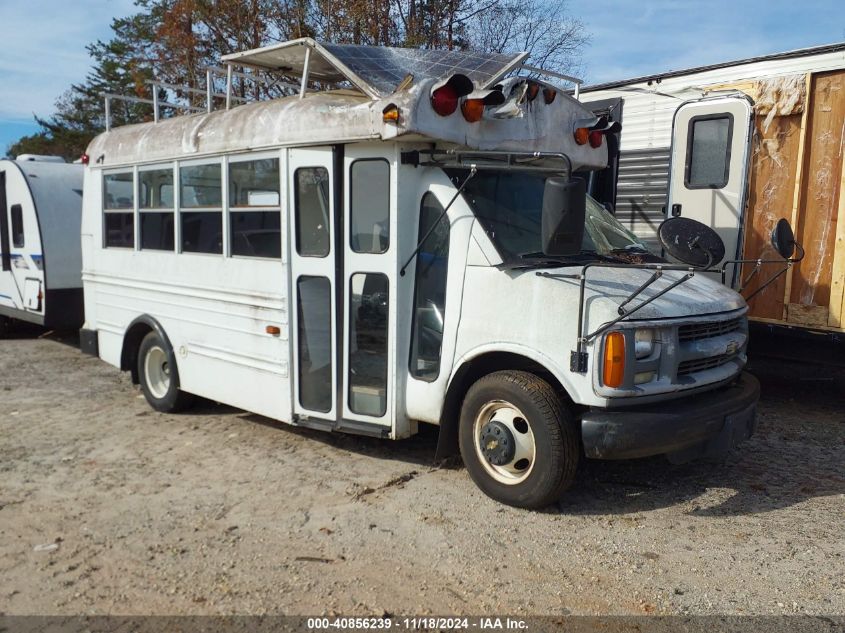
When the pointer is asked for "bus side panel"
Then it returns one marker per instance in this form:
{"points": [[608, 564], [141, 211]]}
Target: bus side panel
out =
{"points": [[215, 322]]}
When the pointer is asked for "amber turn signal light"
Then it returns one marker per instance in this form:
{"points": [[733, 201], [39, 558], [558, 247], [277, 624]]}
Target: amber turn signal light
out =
{"points": [[275, 330], [472, 109], [614, 360]]}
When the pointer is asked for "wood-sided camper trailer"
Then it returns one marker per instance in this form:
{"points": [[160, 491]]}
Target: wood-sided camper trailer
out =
{"points": [[40, 214], [769, 146]]}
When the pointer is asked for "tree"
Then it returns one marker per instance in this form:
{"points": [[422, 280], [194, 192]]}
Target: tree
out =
{"points": [[174, 41]]}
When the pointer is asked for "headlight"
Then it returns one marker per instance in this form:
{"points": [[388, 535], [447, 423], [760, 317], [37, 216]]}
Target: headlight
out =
{"points": [[643, 343]]}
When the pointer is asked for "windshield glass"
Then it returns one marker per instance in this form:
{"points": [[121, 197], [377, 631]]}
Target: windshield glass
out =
{"points": [[509, 205]]}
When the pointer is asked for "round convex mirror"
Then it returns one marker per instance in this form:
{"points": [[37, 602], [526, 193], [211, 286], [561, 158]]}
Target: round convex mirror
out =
{"points": [[783, 239], [691, 242]]}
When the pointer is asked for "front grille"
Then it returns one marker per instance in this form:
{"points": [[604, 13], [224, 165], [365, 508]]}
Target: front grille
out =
{"points": [[699, 331], [700, 364]]}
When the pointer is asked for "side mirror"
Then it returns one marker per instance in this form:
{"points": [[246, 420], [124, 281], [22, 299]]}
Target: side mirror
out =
{"points": [[691, 242], [783, 239], [564, 209]]}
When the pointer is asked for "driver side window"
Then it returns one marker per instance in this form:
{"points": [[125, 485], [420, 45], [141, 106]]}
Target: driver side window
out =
{"points": [[430, 291]]}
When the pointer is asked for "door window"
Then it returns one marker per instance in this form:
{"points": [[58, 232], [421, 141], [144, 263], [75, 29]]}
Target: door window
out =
{"points": [[708, 151], [314, 329], [430, 291], [370, 206], [368, 315], [311, 201]]}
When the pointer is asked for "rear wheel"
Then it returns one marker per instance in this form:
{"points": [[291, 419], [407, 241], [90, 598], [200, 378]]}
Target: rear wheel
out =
{"points": [[518, 441], [159, 376], [4, 326]]}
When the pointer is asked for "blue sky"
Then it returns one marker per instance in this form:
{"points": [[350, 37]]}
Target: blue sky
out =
{"points": [[44, 41]]}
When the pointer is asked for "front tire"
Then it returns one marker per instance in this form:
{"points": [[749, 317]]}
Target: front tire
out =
{"points": [[518, 441], [159, 376]]}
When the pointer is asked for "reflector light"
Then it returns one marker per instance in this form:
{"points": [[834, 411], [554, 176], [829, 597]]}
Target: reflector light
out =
{"points": [[596, 138], [549, 95], [582, 135], [444, 100], [84, 159], [472, 109], [390, 114], [614, 360], [273, 329]]}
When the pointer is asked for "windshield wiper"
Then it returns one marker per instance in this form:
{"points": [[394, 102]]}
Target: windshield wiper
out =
{"points": [[540, 259], [636, 248]]}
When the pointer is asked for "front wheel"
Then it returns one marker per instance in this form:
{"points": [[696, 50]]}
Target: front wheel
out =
{"points": [[519, 443], [159, 377]]}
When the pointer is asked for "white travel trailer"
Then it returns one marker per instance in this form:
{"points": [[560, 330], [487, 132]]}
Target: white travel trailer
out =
{"points": [[409, 247], [739, 146], [40, 258]]}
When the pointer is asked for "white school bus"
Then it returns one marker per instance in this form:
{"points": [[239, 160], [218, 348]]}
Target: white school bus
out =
{"points": [[411, 243]]}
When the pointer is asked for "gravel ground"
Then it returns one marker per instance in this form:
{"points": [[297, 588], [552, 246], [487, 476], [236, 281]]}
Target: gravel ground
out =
{"points": [[109, 507]]}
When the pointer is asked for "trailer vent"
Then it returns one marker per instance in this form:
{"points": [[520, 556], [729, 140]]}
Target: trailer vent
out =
{"points": [[699, 331]]}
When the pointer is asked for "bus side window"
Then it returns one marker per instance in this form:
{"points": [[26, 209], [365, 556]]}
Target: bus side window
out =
{"points": [[312, 209], [17, 226], [432, 267], [118, 209]]}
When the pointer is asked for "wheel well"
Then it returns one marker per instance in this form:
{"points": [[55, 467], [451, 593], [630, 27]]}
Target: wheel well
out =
{"points": [[131, 343], [467, 375]]}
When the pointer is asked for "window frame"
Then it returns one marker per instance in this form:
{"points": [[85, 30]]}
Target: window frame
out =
{"points": [[16, 212], [690, 142], [173, 166], [250, 157], [352, 198], [181, 209], [414, 372], [132, 211]]}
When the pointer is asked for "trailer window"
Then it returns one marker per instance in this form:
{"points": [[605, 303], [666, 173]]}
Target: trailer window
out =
{"points": [[118, 206], [432, 266], [255, 212], [368, 295], [314, 333], [708, 151], [200, 189], [369, 205], [155, 202], [312, 211], [17, 226]]}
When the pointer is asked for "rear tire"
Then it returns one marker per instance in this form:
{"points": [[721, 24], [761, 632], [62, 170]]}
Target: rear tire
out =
{"points": [[518, 441], [4, 326], [159, 376]]}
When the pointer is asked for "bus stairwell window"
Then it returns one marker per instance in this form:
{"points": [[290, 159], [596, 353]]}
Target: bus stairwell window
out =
{"points": [[255, 215], [118, 210]]}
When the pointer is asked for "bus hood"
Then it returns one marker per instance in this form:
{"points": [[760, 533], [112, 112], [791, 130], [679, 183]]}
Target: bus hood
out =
{"points": [[607, 288]]}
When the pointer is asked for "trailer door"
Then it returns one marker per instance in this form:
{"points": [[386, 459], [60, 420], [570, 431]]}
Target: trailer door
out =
{"points": [[315, 288], [709, 165]]}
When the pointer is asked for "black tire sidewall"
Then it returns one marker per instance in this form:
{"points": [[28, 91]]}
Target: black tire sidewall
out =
{"points": [[170, 401], [546, 481]]}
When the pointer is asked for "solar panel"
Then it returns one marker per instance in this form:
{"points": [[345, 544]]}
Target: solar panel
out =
{"points": [[385, 67]]}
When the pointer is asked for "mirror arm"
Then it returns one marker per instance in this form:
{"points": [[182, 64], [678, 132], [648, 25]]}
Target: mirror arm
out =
{"points": [[768, 282], [751, 276], [636, 308], [472, 172], [795, 260], [654, 277]]}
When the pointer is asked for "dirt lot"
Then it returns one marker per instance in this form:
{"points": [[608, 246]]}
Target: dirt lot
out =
{"points": [[109, 507]]}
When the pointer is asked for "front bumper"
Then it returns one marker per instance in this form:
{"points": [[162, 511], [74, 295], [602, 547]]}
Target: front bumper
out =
{"points": [[707, 424]]}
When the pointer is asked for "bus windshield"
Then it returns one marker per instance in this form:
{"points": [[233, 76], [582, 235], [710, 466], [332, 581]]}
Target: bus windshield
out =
{"points": [[509, 206]]}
